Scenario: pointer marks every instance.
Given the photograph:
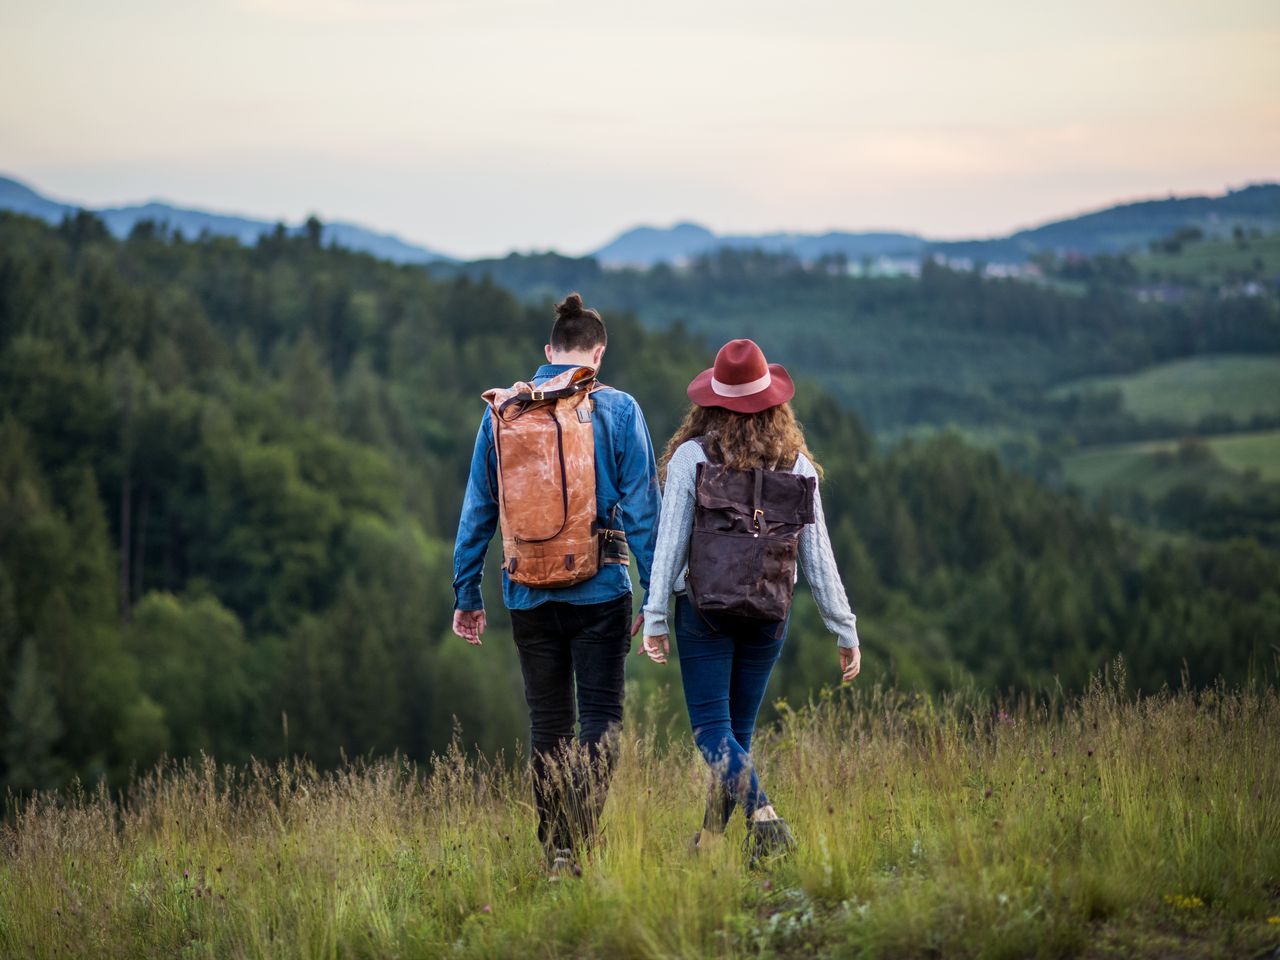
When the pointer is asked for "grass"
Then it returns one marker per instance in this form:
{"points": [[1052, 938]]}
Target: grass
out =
{"points": [[1187, 390], [1105, 826], [1218, 464], [1215, 261], [1250, 451]]}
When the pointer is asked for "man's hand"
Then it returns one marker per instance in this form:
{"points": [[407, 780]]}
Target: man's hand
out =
{"points": [[656, 648], [469, 625], [637, 623], [850, 662]]}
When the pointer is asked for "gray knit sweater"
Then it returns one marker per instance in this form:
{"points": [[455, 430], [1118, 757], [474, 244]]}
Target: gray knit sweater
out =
{"points": [[671, 552]]}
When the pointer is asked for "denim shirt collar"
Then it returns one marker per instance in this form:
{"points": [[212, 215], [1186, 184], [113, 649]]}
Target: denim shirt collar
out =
{"points": [[549, 370]]}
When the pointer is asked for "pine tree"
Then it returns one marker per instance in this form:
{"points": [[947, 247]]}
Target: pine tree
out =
{"points": [[8, 633], [29, 758], [308, 384]]}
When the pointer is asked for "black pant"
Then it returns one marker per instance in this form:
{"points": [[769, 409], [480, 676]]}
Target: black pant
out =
{"points": [[563, 645]]}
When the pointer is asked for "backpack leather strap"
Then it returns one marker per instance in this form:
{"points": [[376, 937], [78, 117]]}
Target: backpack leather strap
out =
{"points": [[534, 395], [757, 513]]}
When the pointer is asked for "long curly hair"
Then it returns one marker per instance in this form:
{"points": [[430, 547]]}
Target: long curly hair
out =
{"points": [[771, 438]]}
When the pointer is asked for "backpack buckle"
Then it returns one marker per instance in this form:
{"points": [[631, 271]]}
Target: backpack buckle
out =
{"points": [[757, 517], [538, 394]]}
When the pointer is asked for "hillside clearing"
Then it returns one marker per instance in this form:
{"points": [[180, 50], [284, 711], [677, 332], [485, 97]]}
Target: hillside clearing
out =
{"points": [[1156, 466], [1185, 391], [1214, 261]]}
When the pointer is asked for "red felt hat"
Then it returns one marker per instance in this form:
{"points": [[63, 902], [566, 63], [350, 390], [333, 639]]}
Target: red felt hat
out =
{"points": [[742, 380]]}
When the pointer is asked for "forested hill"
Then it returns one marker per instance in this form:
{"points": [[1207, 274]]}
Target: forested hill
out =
{"points": [[949, 347], [1121, 228], [230, 475]]}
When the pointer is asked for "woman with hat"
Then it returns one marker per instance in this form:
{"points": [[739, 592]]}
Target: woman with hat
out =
{"points": [[741, 420]]}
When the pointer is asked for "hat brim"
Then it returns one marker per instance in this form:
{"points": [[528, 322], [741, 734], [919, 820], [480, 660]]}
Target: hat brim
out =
{"points": [[780, 390]]}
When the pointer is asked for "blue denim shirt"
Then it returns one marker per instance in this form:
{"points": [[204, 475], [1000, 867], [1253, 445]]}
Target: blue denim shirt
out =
{"points": [[626, 477]]}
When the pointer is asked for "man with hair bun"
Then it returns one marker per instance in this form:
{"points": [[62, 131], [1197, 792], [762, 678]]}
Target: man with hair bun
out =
{"points": [[571, 607]]}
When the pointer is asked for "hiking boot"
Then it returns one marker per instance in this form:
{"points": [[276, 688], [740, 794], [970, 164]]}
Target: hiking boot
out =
{"points": [[563, 865], [767, 840], [705, 840]]}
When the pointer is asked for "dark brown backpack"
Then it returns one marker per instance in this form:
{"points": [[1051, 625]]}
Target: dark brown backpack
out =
{"points": [[746, 539]]}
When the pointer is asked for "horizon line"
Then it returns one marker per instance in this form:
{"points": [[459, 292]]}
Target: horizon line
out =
{"points": [[430, 246]]}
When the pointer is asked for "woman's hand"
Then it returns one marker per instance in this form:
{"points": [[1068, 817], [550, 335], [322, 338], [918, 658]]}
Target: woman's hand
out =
{"points": [[850, 662], [657, 648]]}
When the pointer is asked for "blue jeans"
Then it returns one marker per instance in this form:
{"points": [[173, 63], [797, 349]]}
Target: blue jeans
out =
{"points": [[725, 663]]}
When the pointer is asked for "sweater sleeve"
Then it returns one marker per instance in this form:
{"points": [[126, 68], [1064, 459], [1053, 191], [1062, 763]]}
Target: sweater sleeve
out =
{"points": [[819, 566], [671, 551]]}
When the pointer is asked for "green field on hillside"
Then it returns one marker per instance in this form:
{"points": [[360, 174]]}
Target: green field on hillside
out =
{"points": [[1233, 385], [1153, 468], [1250, 451], [1214, 261]]}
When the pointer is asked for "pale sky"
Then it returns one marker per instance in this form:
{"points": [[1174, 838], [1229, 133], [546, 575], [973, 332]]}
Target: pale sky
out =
{"points": [[478, 126]]}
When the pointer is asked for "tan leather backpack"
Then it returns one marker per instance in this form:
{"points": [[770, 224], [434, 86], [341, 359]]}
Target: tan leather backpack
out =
{"points": [[545, 443]]}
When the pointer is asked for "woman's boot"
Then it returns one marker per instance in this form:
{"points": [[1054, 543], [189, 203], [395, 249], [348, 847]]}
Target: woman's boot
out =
{"points": [[767, 840]]}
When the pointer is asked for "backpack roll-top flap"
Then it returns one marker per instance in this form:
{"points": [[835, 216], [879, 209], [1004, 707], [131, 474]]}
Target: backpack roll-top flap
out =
{"points": [[786, 498]]}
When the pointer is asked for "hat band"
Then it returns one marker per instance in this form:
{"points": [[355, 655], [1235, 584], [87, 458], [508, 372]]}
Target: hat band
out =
{"points": [[741, 389]]}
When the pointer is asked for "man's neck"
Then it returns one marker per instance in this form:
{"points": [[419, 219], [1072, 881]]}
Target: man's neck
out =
{"points": [[573, 360]]}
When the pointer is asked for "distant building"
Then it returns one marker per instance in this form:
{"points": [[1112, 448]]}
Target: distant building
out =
{"points": [[1160, 293], [1245, 288], [884, 267]]}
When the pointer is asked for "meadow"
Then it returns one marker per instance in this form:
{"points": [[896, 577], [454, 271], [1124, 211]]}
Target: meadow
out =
{"points": [[1106, 825], [1214, 261], [1250, 451], [1218, 464], [1237, 386]]}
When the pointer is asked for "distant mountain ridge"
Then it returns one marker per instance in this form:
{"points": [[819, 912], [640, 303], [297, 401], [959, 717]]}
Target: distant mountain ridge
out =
{"points": [[20, 198], [1114, 229], [645, 246]]}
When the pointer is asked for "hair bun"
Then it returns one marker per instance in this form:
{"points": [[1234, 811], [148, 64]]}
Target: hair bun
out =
{"points": [[569, 307]]}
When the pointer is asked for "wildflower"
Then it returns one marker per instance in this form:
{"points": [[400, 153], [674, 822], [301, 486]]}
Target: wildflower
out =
{"points": [[988, 793], [487, 908], [1273, 920], [1181, 901]]}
